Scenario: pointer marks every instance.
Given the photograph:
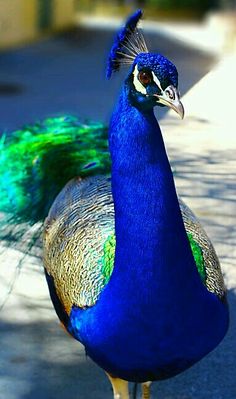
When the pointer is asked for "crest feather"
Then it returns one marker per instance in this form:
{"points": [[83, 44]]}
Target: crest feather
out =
{"points": [[128, 43]]}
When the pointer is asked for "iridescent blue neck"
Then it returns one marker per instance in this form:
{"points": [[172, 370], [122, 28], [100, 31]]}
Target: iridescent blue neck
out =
{"points": [[148, 222]]}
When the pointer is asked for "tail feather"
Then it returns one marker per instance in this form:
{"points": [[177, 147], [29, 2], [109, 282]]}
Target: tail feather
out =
{"points": [[35, 163]]}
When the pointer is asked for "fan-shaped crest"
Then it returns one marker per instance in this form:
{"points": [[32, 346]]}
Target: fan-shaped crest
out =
{"points": [[128, 43]]}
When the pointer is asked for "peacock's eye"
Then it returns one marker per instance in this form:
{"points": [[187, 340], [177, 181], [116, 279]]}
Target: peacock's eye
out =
{"points": [[145, 77]]}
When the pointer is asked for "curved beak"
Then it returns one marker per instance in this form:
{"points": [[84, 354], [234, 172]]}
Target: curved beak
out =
{"points": [[170, 98]]}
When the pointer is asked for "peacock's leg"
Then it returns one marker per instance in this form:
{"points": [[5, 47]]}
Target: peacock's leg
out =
{"points": [[120, 388], [146, 390]]}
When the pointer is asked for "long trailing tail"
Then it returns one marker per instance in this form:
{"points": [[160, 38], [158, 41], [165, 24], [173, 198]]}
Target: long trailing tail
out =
{"points": [[35, 163]]}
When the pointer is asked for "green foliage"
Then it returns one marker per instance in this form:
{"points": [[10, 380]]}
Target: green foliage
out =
{"points": [[37, 161], [177, 4]]}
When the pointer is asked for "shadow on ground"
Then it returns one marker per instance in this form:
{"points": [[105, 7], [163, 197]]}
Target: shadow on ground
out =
{"points": [[49, 364], [207, 183]]}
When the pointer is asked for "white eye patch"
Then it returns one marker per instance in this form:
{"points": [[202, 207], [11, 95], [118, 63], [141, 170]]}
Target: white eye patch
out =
{"points": [[157, 81], [137, 84]]}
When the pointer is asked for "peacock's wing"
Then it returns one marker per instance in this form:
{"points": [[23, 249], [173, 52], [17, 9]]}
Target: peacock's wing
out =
{"points": [[206, 260], [79, 243]]}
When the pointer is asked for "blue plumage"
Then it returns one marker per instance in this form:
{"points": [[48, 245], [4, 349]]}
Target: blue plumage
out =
{"points": [[161, 66], [150, 316], [120, 41]]}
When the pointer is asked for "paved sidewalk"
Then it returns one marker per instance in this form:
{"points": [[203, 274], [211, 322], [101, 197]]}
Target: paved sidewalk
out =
{"points": [[38, 360]]}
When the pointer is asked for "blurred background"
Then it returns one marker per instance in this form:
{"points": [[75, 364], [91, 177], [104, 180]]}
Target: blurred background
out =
{"points": [[47, 47], [52, 62], [24, 20]]}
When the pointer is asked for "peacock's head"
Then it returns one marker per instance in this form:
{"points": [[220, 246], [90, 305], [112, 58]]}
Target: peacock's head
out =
{"points": [[153, 79]]}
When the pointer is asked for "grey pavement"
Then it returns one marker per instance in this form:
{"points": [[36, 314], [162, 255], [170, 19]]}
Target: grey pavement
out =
{"points": [[38, 359]]}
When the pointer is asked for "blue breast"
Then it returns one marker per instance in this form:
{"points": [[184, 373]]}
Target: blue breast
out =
{"points": [[144, 335]]}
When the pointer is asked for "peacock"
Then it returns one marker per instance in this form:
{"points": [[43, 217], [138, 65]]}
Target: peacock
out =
{"points": [[131, 273]]}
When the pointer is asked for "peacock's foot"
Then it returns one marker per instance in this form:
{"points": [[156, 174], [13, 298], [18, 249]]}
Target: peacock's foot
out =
{"points": [[120, 387], [146, 390]]}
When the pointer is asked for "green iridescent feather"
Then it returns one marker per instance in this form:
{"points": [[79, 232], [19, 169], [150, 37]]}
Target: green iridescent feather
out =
{"points": [[198, 257], [38, 160], [109, 256]]}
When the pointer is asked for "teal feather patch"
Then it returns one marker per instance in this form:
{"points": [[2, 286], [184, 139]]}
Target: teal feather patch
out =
{"points": [[198, 257], [108, 257], [38, 160]]}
